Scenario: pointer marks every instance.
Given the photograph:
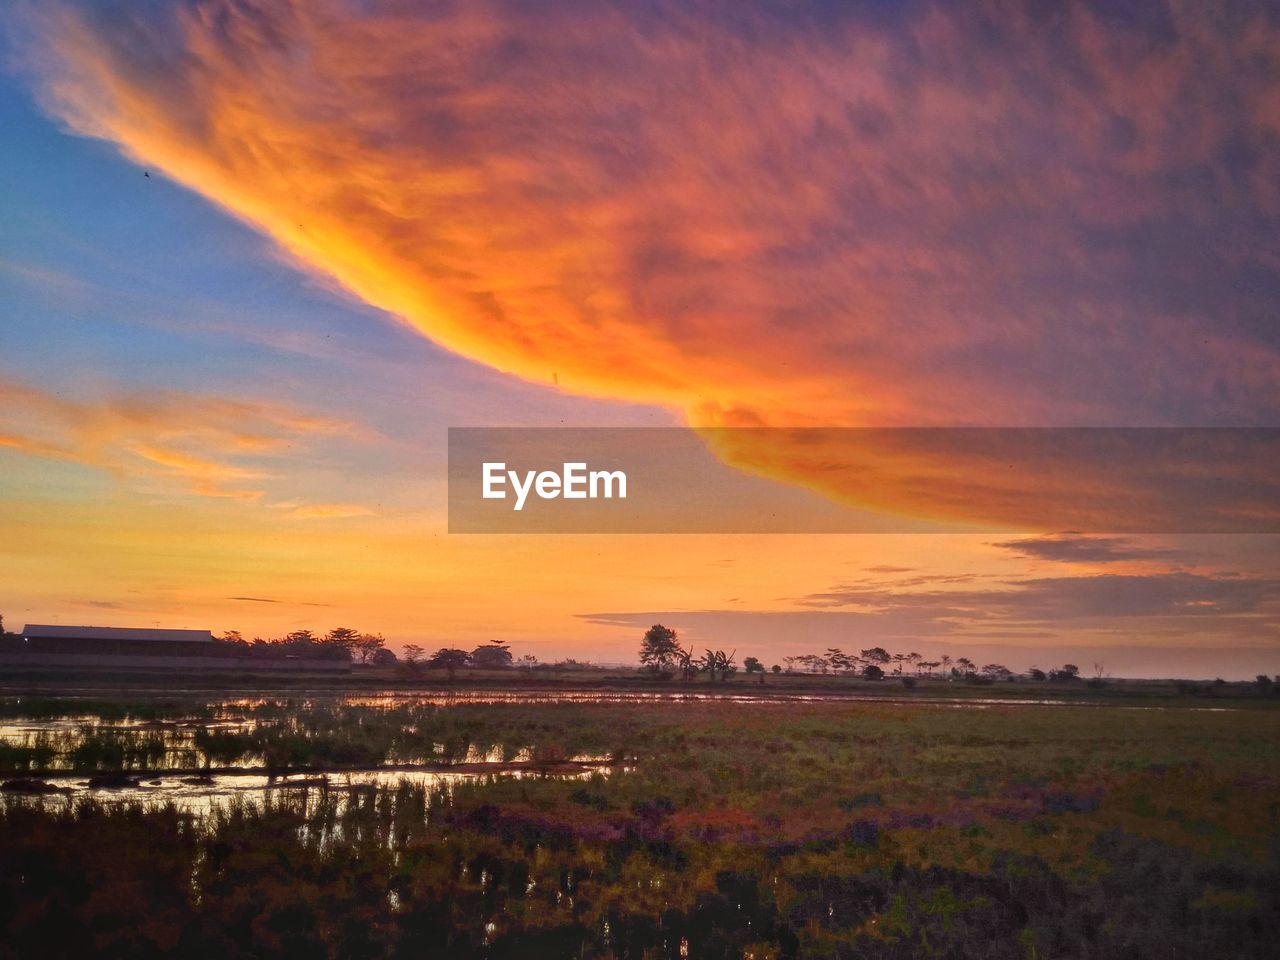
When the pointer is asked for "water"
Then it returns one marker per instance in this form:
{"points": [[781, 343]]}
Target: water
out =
{"points": [[173, 764], [223, 789], [446, 697]]}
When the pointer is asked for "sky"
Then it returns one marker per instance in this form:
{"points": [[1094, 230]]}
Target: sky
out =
{"points": [[256, 258]]}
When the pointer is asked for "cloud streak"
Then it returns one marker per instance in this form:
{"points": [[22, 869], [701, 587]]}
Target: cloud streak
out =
{"points": [[1060, 599], [295, 603], [1074, 548], [207, 446]]}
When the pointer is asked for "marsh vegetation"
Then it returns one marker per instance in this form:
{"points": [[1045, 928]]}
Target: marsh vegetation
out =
{"points": [[713, 828]]}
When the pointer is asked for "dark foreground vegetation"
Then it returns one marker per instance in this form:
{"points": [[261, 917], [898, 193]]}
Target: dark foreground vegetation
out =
{"points": [[723, 830]]}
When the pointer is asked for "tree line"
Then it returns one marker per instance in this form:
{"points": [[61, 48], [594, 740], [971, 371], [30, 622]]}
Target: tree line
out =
{"points": [[662, 653], [338, 644], [371, 649]]}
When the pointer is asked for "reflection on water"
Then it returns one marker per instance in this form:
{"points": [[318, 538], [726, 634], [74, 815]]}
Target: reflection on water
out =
{"points": [[86, 742], [448, 698], [245, 747], [83, 743], [232, 733], [227, 707], [199, 795]]}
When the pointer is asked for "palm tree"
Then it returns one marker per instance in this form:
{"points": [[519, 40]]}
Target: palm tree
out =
{"points": [[716, 661], [684, 660], [726, 663], [709, 663]]}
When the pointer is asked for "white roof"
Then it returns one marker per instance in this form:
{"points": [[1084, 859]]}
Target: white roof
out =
{"points": [[115, 633]]}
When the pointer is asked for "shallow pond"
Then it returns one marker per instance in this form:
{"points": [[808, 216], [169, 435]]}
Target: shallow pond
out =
{"points": [[196, 794]]}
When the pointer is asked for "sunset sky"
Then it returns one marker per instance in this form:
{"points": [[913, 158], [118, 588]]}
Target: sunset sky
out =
{"points": [[256, 257]]}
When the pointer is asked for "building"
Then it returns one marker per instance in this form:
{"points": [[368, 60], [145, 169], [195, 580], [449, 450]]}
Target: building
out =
{"points": [[115, 641], [41, 647]]}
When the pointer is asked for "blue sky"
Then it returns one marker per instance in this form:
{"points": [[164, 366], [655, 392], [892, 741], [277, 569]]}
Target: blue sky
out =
{"points": [[115, 282]]}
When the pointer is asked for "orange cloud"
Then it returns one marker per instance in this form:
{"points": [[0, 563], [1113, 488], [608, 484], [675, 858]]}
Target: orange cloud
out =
{"points": [[1117, 480], [946, 216], [201, 475], [197, 443], [326, 511], [34, 447]]}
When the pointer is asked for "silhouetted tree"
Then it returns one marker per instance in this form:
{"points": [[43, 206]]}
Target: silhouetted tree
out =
{"points": [[1069, 673], [495, 655], [342, 637], [708, 663], [815, 663], [838, 659], [727, 664], [685, 661], [876, 656], [449, 659], [659, 647], [717, 662], [367, 646], [872, 672], [412, 654]]}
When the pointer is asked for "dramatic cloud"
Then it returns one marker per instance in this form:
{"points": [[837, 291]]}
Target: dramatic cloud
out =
{"points": [[985, 213]]}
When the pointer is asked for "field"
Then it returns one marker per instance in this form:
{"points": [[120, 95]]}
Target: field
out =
{"points": [[534, 824]]}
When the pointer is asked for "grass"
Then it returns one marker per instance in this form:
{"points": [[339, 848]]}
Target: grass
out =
{"points": [[814, 829]]}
